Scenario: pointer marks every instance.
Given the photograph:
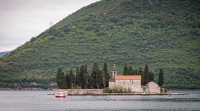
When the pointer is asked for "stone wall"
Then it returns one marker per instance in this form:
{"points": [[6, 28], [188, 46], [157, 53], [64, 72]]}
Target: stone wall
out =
{"points": [[154, 88], [81, 91], [134, 85]]}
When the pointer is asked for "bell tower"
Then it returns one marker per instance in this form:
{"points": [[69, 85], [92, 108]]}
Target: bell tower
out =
{"points": [[114, 71]]}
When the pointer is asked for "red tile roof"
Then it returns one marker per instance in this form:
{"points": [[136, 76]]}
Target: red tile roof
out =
{"points": [[128, 77]]}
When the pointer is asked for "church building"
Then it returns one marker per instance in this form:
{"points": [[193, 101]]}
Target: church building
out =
{"points": [[132, 82]]}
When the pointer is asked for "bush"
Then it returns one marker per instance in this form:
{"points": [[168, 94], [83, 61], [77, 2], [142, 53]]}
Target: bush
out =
{"points": [[107, 90], [76, 87], [163, 90], [117, 89]]}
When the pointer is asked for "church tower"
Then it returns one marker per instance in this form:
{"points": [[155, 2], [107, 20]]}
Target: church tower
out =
{"points": [[114, 71]]}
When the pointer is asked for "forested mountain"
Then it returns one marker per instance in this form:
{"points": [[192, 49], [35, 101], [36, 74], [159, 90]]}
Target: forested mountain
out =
{"points": [[161, 33]]}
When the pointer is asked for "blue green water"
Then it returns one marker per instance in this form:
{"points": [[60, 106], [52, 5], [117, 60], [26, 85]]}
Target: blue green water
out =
{"points": [[40, 101]]}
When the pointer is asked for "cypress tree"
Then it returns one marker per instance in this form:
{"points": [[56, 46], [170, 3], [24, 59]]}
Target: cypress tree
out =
{"points": [[58, 76], [94, 75], [77, 77], [151, 75], [103, 79], [130, 70], [105, 70], [60, 79], [85, 69], [72, 78], [160, 78], [98, 78], [125, 70], [81, 75], [85, 78], [68, 82], [140, 72], [90, 82], [146, 74], [135, 72]]}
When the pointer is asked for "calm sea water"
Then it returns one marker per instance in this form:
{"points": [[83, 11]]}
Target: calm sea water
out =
{"points": [[39, 101]]}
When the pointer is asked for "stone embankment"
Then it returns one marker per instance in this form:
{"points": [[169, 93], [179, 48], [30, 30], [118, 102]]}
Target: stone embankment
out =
{"points": [[99, 92], [82, 91]]}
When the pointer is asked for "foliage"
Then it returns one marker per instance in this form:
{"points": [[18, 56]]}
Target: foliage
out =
{"points": [[77, 76], [160, 78], [105, 75], [146, 75], [163, 34], [95, 80], [163, 90], [116, 89], [61, 79], [125, 70]]}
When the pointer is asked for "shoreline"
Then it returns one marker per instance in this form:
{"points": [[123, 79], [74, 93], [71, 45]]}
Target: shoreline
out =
{"points": [[124, 94]]}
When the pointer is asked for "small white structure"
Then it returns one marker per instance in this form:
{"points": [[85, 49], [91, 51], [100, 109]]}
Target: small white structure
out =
{"points": [[132, 82], [151, 87]]}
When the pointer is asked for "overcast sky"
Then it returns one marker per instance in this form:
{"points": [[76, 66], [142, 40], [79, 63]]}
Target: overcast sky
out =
{"points": [[20, 20]]}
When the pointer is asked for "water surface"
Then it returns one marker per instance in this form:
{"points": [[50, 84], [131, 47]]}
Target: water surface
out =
{"points": [[39, 100]]}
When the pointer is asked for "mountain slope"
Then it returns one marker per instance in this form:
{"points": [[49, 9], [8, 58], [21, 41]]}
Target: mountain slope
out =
{"points": [[161, 33]]}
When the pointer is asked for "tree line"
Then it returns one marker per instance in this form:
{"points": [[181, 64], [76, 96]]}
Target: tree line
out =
{"points": [[82, 79], [100, 78]]}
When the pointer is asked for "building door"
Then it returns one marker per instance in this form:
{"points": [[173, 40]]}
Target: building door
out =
{"points": [[144, 89]]}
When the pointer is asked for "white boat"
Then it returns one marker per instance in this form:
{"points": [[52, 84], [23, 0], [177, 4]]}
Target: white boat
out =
{"points": [[61, 94]]}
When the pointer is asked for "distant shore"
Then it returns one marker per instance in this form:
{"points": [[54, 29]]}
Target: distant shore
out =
{"points": [[24, 89]]}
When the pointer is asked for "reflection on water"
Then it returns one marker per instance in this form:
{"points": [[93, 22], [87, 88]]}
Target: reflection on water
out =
{"points": [[39, 100]]}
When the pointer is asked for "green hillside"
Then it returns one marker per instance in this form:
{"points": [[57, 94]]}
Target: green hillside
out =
{"points": [[161, 33]]}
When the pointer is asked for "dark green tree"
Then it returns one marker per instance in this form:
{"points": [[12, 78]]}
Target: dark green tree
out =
{"points": [[151, 75], [125, 70], [90, 82], [95, 71], [68, 81], [135, 72], [61, 79], [105, 70], [72, 78], [160, 78], [141, 72], [146, 74], [58, 77], [85, 67], [98, 79], [85, 80], [103, 79], [85, 77], [77, 77], [81, 75], [130, 70]]}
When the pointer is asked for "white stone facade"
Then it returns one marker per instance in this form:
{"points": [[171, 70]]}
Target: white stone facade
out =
{"points": [[132, 82], [134, 85], [153, 87]]}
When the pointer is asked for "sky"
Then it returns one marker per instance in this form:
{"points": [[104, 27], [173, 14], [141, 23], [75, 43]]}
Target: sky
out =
{"points": [[20, 20]]}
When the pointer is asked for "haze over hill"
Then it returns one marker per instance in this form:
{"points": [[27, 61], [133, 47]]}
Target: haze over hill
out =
{"points": [[161, 33], [3, 53]]}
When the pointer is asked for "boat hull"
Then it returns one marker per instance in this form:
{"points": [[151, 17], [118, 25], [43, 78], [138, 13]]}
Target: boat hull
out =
{"points": [[61, 94]]}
